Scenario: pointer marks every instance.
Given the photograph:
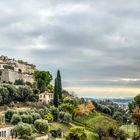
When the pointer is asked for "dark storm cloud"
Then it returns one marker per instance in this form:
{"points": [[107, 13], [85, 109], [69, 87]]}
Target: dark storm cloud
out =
{"points": [[93, 42]]}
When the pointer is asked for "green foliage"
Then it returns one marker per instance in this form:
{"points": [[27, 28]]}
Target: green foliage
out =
{"points": [[50, 88], [22, 130], [8, 67], [118, 116], [55, 112], [35, 116], [25, 93], [36, 91], [41, 125], [67, 107], [43, 79], [16, 119], [137, 100], [134, 103], [93, 120], [28, 84], [27, 118], [19, 82], [77, 133], [43, 111], [9, 113], [106, 110], [56, 96], [101, 131], [65, 117], [71, 100], [4, 95], [122, 135], [56, 132], [59, 85], [49, 117], [12, 92]]}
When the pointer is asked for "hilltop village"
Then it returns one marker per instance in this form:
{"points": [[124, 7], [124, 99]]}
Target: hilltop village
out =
{"points": [[32, 107], [11, 70]]}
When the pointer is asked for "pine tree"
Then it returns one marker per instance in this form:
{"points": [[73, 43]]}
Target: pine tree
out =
{"points": [[59, 84], [56, 97]]}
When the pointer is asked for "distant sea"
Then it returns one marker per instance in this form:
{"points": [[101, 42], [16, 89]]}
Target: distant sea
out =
{"points": [[121, 101]]}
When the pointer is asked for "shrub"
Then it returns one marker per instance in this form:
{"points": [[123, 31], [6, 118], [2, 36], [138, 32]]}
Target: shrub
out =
{"points": [[41, 125], [55, 112], [16, 119], [35, 116], [118, 116], [56, 133], [9, 113], [67, 107], [19, 82], [25, 93], [107, 110], [85, 109], [49, 117], [4, 93], [77, 133], [27, 118], [65, 117], [22, 130]]}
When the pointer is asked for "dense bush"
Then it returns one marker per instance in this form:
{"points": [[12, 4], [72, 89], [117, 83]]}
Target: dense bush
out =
{"points": [[49, 117], [118, 116], [27, 118], [77, 133], [19, 82], [71, 100], [9, 113], [4, 95], [22, 130], [67, 107], [25, 93], [16, 119], [65, 117], [55, 112], [56, 133], [41, 125], [35, 116], [12, 92]]}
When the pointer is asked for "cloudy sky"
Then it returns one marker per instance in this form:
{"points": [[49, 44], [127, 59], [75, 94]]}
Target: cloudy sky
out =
{"points": [[95, 43]]}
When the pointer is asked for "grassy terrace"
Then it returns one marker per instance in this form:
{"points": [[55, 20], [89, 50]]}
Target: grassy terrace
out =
{"points": [[95, 119], [131, 130], [66, 128]]}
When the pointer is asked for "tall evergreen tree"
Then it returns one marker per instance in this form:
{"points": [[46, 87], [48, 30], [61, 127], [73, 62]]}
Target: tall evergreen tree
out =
{"points": [[56, 97], [59, 84]]}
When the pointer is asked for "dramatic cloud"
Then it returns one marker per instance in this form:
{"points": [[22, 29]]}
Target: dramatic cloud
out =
{"points": [[95, 43]]}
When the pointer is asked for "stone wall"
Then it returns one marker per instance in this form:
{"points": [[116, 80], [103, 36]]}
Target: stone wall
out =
{"points": [[11, 76]]}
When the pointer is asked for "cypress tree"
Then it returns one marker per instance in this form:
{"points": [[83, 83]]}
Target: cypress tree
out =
{"points": [[59, 85], [56, 98]]}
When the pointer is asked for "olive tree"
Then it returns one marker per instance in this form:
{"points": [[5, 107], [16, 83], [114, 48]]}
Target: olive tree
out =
{"points": [[25, 93], [4, 95], [41, 125], [16, 119], [65, 117], [22, 130], [9, 113]]}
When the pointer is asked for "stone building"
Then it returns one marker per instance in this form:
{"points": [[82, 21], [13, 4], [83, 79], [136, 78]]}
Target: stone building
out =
{"points": [[11, 70], [46, 97]]}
